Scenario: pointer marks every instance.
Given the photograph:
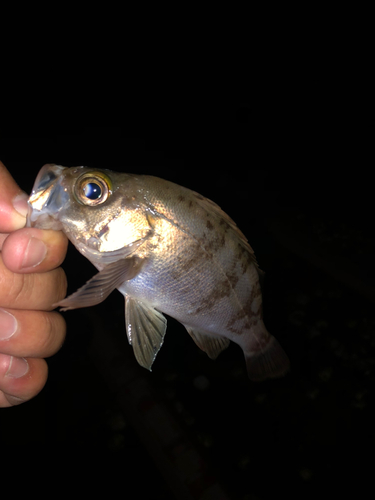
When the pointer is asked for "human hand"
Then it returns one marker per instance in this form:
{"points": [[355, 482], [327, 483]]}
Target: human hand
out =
{"points": [[30, 282]]}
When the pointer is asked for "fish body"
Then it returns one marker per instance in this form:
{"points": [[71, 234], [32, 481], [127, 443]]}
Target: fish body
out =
{"points": [[167, 249]]}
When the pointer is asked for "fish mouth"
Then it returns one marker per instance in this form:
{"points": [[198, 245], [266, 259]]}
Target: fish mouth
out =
{"points": [[47, 198]]}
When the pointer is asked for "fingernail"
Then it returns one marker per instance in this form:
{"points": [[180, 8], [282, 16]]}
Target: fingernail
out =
{"points": [[35, 252], [8, 324], [20, 204], [18, 367]]}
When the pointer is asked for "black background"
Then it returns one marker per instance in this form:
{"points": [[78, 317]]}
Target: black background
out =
{"points": [[302, 195]]}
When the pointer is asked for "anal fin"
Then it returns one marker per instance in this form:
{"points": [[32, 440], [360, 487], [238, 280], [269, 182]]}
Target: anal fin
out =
{"points": [[145, 327], [213, 346]]}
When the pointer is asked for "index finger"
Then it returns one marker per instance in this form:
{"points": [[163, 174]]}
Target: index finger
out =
{"points": [[13, 203]]}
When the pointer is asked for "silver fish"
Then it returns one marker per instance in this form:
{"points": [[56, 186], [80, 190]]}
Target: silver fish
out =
{"points": [[167, 249]]}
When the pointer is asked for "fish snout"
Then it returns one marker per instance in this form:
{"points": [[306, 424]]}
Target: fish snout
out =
{"points": [[47, 197]]}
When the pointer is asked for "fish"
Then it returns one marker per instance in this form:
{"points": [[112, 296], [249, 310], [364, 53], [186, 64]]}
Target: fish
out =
{"points": [[169, 251]]}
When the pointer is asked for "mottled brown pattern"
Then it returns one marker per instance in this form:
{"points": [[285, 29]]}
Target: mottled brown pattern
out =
{"points": [[236, 324], [245, 264], [216, 243], [207, 303], [241, 251], [233, 278], [190, 259]]}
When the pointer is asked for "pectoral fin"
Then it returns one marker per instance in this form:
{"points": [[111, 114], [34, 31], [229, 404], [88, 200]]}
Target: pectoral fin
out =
{"points": [[213, 346], [102, 284], [145, 327]]}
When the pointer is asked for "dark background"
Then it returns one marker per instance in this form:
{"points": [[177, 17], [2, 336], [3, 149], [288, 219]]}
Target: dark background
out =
{"points": [[195, 428]]}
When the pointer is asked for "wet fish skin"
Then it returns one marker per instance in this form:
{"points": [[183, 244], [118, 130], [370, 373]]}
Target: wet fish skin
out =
{"points": [[169, 250]]}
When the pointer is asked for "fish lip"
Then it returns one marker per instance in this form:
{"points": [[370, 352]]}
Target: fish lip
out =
{"points": [[38, 199], [46, 177], [43, 192]]}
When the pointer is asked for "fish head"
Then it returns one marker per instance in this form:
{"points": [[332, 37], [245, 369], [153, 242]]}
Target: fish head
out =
{"points": [[100, 211]]}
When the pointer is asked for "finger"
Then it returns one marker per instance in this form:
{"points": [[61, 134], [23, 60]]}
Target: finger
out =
{"points": [[34, 250], [31, 334], [31, 291], [13, 203], [20, 379]]}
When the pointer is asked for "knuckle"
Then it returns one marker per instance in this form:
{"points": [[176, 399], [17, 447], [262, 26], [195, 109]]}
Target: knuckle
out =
{"points": [[53, 333], [62, 283], [48, 328], [20, 288]]}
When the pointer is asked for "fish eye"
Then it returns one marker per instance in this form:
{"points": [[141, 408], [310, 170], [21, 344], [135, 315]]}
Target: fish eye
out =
{"points": [[93, 189]]}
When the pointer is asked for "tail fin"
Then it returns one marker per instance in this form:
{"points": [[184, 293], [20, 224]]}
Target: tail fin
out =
{"points": [[269, 362]]}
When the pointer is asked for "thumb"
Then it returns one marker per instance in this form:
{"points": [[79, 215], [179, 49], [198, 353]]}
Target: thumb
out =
{"points": [[13, 203]]}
